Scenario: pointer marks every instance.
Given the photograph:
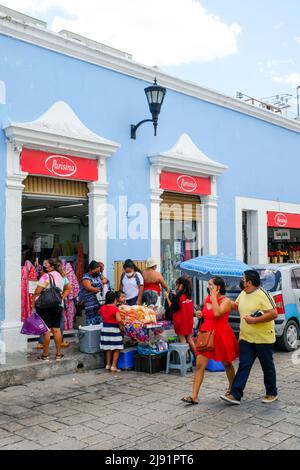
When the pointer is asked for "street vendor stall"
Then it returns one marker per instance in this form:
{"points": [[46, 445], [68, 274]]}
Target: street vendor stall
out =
{"points": [[146, 327]]}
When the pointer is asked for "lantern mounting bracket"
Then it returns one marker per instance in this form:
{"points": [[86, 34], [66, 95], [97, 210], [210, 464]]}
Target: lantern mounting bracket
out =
{"points": [[134, 128]]}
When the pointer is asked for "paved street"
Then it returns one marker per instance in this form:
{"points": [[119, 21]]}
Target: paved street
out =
{"points": [[95, 410]]}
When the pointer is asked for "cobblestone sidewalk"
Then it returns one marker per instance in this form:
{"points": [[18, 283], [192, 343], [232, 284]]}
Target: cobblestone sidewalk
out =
{"points": [[97, 410]]}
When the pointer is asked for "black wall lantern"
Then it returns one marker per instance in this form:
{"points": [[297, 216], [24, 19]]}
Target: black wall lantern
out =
{"points": [[155, 96]]}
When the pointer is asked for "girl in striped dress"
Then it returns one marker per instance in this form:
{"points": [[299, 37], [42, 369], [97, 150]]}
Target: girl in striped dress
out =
{"points": [[111, 339]]}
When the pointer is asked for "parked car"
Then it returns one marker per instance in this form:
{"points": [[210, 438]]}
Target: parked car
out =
{"points": [[283, 281]]}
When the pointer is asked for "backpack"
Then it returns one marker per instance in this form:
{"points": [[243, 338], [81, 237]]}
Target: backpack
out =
{"points": [[136, 277]]}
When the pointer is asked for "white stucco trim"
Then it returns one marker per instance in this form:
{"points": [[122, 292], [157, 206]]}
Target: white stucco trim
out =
{"points": [[185, 157], [89, 52], [61, 130], [58, 130], [11, 325], [155, 200], [98, 216], [259, 229]]}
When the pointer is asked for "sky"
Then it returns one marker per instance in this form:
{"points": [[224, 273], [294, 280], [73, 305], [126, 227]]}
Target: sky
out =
{"points": [[251, 46]]}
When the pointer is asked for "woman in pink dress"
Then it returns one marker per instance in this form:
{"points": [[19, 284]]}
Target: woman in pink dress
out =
{"points": [[70, 309], [215, 314]]}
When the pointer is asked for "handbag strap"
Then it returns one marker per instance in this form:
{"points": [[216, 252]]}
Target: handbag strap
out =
{"points": [[52, 281]]}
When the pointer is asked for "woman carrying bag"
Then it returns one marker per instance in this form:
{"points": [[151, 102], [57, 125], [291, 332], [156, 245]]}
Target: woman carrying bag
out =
{"points": [[216, 339], [48, 300]]}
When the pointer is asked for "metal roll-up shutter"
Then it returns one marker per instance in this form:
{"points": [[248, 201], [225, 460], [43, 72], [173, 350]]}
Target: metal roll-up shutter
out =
{"points": [[176, 206], [55, 187]]}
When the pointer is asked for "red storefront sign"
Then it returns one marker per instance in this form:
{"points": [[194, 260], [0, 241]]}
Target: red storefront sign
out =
{"points": [[182, 183], [283, 220], [36, 162]]}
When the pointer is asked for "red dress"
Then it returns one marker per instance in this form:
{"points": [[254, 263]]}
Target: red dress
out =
{"points": [[183, 318], [226, 346]]}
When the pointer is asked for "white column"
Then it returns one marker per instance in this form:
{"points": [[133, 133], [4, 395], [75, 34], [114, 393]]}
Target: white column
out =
{"points": [[210, 225], [155, 226], [262, 237], [11, 325], [98, 216], [210, 220], [155, 201], [239, 231]]}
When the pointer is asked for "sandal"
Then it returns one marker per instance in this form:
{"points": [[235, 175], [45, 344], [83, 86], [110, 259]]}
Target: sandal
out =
{"points": [[58, 357], [115, 369], [107, 367], [189, 401], [44, 358]]}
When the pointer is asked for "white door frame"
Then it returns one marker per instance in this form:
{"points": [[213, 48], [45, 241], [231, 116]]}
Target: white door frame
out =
{"points": [[59, 130], [259, 224], [185, 157]]}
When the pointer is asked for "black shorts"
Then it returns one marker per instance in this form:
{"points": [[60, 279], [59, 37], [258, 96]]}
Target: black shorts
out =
{"points": [[51, 316]]}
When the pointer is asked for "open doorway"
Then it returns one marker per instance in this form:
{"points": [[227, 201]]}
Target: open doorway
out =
{"points": [[53, 227]]}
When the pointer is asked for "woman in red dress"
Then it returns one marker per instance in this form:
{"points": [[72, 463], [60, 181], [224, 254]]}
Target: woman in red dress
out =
{"points": [[182, 307], [215, 314]]}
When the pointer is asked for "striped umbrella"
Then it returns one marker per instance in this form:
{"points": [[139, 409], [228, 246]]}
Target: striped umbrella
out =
{"points": [[205, 267]]}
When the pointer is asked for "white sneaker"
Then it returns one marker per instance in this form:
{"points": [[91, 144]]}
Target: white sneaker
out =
{"points": [[230, 399], [269, 398]]}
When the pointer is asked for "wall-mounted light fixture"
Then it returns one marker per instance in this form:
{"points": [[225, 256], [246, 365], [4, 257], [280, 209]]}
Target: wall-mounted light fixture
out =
{"points": [[155, 95]]}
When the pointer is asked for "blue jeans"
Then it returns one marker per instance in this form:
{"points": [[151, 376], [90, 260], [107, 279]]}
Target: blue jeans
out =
{"points": [[248, 353], [62, 320], [132, 301]]}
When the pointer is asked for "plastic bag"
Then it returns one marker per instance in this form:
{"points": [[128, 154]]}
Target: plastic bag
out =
{"points": [[34, 325]]}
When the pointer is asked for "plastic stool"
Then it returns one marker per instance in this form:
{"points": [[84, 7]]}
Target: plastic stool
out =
{"points": [[176, 358]]}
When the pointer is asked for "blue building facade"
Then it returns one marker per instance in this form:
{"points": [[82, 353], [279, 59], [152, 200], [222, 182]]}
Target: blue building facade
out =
{"points": [[72, 98]]}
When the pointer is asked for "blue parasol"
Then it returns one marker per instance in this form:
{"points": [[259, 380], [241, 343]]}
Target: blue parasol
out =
{"points": [[205, 267]]}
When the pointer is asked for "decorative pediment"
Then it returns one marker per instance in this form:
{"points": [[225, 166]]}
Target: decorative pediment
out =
{"points": [[186, 157], [60, 129]]}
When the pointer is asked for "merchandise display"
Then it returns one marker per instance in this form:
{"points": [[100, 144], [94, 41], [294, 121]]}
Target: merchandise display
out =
{"points": [[28, 276], [283, 245], [137, 313], [145, 326], [70, 307]]}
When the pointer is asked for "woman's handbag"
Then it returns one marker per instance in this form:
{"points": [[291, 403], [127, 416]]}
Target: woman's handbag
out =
{"points": [[49, 298], [205, 341]]}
